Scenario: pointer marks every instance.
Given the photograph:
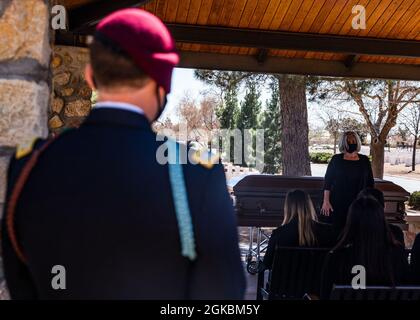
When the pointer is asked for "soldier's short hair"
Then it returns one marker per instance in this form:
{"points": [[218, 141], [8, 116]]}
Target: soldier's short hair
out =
{"points": [[342, 143], [113, 68]]}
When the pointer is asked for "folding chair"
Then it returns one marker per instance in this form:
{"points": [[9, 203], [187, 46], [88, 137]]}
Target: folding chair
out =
{"points": [[409, 293], [295, 272]]}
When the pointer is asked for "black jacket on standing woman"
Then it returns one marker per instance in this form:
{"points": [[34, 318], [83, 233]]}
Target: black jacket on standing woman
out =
{"points": [[345, 179]]}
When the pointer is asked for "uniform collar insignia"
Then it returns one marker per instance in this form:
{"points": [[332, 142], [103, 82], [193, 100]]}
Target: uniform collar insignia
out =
{"points": [[25, 148], [205, 158]]}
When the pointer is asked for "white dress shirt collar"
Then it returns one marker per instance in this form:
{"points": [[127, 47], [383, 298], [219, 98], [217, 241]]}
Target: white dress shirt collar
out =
{"points": [[119, 105]]}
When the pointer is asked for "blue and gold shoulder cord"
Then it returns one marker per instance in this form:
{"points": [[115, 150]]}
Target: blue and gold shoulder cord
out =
{"points": [[179, 194]]}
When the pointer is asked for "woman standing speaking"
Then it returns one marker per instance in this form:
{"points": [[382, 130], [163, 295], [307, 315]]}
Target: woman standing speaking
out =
{"points": [[347, 174]]}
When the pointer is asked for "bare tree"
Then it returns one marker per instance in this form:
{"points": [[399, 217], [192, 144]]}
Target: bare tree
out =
{"points": [[378, 101], [411, 121], [208, 106], [332, 119], [160, 125], [189, 114], [200, 117]]}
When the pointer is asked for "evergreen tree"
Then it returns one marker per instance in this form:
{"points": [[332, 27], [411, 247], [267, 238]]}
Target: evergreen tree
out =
{"points": [[272, 133], [294, 119], [250, 108], [248, 119], [227, 113]]}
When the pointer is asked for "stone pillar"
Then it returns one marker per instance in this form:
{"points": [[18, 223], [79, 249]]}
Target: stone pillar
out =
{"points": [[24, 76], [413, 221], [71, 98]]}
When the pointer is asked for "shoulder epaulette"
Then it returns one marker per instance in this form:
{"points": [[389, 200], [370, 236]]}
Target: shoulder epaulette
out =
{"points": [[205, 158], [25, 148]]}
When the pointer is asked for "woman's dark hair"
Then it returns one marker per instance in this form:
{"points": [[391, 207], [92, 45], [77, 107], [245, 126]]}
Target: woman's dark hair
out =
{"points": [[371, 241], [375, 193]]}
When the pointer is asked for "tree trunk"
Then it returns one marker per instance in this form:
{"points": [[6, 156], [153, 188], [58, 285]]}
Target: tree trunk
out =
{"points": [[377, 150], [294, 122], [413, 162]]}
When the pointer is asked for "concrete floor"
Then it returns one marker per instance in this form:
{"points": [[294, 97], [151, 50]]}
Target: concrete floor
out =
{"points": [[251, 285]]}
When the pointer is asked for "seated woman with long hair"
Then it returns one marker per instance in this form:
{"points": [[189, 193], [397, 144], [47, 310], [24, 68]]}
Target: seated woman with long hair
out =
{"points": [[368, 242], [300, 227], [415, 261], [379, 196]]}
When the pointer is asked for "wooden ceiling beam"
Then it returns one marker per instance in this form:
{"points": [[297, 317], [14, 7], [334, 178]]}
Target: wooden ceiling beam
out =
{"points": [[82, 18], [294, 41], [262, 55], [214, 61], [266, 39], [268, 64], [350, 60]]}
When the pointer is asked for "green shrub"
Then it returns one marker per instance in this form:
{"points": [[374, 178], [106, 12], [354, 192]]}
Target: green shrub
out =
{"points": [[414, 200], [320, 157]]}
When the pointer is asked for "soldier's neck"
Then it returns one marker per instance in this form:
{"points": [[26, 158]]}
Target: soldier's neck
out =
{"points": [[142, 100]]}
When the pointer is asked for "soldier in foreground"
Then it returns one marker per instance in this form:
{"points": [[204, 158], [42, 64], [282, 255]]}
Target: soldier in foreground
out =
{"points": [[92, 214]]}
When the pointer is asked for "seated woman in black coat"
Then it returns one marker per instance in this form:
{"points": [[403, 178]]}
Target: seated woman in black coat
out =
{"points": [[366, 241], [379, 196], [415, 261], [300, 227]]}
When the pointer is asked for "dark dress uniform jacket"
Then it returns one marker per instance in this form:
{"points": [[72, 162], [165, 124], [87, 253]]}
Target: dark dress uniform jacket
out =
{"points": [[99, 204]]}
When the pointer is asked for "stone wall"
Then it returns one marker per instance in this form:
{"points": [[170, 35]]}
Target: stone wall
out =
{"points": [[24, 59], [71, 97], [25, 54]]}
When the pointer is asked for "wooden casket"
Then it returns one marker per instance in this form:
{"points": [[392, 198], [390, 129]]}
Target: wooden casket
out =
{"points": [[259, 199]]}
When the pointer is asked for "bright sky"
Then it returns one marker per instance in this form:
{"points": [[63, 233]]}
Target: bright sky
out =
{"points": [[183, 81]]}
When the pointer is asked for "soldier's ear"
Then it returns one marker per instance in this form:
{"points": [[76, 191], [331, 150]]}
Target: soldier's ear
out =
{"points": [[162, 94], [90, 79]]}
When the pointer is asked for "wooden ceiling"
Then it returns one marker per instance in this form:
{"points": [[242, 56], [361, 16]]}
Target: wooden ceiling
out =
{"points": [[296, 36]]}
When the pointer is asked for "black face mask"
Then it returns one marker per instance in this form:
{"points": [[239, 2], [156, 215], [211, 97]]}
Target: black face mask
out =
{"points": [[352, 147], [161, 106]]}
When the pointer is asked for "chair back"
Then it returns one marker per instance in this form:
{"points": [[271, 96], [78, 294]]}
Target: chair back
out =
{"points": [[376, 293], [296, 271]]}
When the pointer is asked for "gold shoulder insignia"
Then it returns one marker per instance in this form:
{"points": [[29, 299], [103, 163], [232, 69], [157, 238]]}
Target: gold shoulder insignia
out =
{"points": [[25, 148], [205, 158]]}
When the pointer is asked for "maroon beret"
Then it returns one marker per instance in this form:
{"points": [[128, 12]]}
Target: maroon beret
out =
{"points": [[145, 39]]}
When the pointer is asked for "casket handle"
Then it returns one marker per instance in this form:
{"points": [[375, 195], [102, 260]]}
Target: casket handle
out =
{"points": [[238, 204]]}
